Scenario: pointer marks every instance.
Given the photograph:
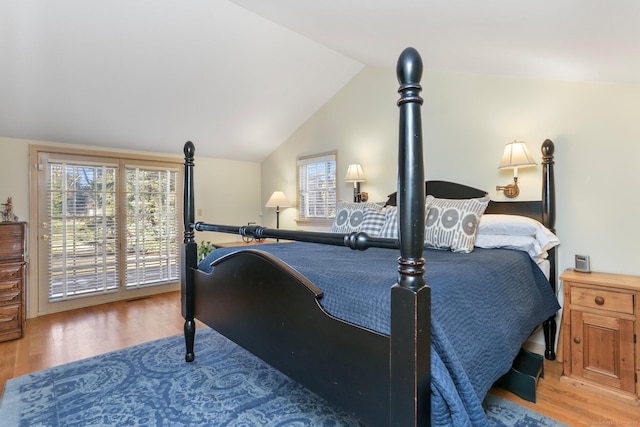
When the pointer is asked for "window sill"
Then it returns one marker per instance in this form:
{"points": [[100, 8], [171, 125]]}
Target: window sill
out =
{"points": [[315, 222]]}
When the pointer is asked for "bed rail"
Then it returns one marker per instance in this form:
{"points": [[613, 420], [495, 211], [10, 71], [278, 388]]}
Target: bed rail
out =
{"points": [[356, 240]]}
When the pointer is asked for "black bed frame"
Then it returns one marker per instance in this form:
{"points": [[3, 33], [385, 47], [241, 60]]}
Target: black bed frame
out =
{"points": [[263, 305]]}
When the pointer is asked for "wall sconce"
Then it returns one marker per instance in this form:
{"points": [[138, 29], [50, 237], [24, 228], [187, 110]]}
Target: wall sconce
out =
{"points": [[355, 174], [515, 155], [278, 200]]}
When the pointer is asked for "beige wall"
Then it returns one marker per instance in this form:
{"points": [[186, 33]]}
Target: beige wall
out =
{"points": [[227, 191], [467, 119]]}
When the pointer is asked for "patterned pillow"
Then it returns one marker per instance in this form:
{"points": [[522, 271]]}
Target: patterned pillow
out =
{"points": [[452, 224], [350, 216], [373, 221], [390, 227]]}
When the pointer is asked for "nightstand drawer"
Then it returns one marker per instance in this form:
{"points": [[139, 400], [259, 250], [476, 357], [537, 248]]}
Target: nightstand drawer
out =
{"points": [[10, 318], [619, 302]]}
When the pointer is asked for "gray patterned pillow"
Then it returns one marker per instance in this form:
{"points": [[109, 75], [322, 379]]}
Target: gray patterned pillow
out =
{"points": [[452, 224], [373, 222], [350, 216], [390, 227]]}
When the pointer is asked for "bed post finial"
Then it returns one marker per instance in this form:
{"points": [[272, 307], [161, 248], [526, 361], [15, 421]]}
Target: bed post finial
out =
{"points": [[189, 150], [410, 364], [409, 72], [548, 185]]}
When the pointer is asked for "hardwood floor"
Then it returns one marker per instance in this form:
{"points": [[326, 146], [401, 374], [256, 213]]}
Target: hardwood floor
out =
{"points": [[65, 337]]}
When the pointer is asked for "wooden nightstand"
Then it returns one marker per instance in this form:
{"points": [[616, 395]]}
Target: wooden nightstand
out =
{"points": [[600, 328]]}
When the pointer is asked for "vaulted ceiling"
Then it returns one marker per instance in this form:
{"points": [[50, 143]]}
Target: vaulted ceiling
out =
{"points": [[238, 77]]}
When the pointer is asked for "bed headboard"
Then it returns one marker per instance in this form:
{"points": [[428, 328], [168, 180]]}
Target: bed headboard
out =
{"points": [[543, 210]]}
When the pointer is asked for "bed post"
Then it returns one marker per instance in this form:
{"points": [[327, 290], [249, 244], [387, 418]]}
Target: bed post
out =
{"points": [[410, 365], [189, 254], [549, 220]]}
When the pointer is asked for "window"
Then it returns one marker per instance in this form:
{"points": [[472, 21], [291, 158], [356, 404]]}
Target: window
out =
{"points": [[82, 229], [108, 226], [317, 187], [152, 226]]}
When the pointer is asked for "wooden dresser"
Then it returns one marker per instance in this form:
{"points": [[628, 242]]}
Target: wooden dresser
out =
{"points": [[12, 275], [600, 328]]}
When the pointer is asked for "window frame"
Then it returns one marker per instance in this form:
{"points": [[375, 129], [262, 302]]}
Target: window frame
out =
{"points": [[168, 260], [37, 295], [307, 159]]}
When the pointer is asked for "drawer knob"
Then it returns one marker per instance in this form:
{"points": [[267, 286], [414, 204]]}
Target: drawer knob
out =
{"points": [[599, 300], [576, 340]]}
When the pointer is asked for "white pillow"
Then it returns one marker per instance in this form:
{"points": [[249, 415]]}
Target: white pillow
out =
{"points": [[516, 225], [528, 244]]}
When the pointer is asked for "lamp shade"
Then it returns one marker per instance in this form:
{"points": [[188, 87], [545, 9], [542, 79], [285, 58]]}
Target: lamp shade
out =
{"points": [[516, 155], [355, 173], [277, 199]]}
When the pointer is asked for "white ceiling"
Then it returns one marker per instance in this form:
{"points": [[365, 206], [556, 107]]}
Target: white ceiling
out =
{"points": [[239, 77]]}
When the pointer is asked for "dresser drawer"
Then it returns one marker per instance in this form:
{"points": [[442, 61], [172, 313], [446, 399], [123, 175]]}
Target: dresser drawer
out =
{"points": [[620, 302], [10, 285], [10, 318], [10, 271], [12, 297], [12, 241]]}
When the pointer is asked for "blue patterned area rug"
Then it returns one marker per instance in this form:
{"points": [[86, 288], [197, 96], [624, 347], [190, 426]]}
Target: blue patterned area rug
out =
{"points": [[151, 385]]}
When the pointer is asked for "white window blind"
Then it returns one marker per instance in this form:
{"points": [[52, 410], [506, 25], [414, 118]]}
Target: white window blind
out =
{"points": [[317, 186], [152, 253], [110, 226], [83, 255]]}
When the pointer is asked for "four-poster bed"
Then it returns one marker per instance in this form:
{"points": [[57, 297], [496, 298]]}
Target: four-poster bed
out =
{"points": [[276, 304]]}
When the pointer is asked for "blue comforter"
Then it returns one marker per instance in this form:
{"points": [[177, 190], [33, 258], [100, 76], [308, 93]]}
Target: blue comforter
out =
{"points": [[484, 306]]}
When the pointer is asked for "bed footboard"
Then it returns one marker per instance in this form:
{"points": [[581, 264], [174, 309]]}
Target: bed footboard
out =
{"points": [[268, 308]]}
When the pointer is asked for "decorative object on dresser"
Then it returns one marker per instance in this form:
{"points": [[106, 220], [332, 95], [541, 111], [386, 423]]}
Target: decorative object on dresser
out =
{"points": [[600, 329], [7, 213], [12, 274]]}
